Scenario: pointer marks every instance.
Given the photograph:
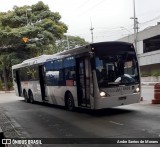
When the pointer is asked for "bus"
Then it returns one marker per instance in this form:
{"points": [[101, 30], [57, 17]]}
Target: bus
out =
{"points": [[94, 76]]}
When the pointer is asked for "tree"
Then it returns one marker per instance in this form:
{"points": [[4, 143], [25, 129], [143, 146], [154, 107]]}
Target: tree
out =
{"points": [[42, 28], [6, 61]]}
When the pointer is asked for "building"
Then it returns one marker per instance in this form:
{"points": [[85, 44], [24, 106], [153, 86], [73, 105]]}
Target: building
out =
{"points": [[148, 50]]}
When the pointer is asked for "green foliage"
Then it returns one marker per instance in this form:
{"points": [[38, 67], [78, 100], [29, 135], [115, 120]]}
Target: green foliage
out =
{"points": [[145, 74], [35, 22], [155, 73], [10, 85], [1, 85]]}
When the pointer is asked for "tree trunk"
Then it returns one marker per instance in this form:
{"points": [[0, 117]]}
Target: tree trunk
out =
{"points": [[5, 78]]}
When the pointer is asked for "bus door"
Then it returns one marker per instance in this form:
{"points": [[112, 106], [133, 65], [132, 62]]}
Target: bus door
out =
{"points": [[42, 82], [18, 81], [83, 81]]}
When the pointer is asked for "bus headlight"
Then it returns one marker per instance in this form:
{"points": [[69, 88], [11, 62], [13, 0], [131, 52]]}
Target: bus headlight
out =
{"points": [[102, 93], [137, 89]]}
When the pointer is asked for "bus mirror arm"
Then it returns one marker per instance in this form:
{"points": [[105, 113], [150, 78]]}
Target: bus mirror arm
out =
{"points": [[91, 54]]}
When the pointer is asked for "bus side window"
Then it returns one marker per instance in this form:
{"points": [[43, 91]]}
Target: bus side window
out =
{"points": [[73, 75], [69, 65], [57, 66], [67, 74]]}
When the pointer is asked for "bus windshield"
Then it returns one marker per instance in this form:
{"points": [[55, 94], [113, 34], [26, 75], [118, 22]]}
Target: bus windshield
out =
{"points": [[117, 69]]}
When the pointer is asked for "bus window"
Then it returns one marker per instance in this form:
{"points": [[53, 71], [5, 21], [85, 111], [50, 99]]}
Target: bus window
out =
{"points": [[69, 68], [116, 69], [54, 73]]}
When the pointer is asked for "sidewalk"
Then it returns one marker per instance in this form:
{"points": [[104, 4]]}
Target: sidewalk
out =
{"points": [[10, 128]]}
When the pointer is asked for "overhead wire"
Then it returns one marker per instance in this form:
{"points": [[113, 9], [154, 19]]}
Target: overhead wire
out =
{"points": [[82, 5], [151, 20], [92, 7]]}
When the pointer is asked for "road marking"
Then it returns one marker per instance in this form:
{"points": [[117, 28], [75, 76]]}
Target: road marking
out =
{"points": [[116, 123]]}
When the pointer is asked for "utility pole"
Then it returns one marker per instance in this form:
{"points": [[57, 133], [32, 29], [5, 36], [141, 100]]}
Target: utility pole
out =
{"points": [[91, 29], [135, 25], [67, 42]]}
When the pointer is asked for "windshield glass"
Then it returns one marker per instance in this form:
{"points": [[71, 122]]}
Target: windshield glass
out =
{"points": [[117, 69]]}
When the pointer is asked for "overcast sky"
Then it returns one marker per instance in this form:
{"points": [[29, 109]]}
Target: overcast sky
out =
{"points": [[110, 18]]}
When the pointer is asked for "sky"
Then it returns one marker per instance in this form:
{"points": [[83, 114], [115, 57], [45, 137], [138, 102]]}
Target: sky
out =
{"points": [[110, 19]]}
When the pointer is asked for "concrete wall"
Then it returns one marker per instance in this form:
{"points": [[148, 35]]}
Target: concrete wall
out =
{"points": [[150, 79], [149, 58], [142, 35], [140, 47], [150, 69]]}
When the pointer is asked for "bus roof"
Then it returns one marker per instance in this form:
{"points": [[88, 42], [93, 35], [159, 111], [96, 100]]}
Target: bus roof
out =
{"points": [[88, 47], [75, 51], [32, 61]]}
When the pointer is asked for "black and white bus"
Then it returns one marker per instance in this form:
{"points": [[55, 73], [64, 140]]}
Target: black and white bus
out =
{"points": [[95, 76]]}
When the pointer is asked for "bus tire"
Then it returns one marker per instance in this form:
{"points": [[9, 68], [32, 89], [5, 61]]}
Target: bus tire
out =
{"points": [[25, 96], [69, 102], [31, 98]]}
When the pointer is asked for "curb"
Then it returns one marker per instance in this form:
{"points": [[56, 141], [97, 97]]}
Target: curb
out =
{"points": [[3, 92], [148, 83]]}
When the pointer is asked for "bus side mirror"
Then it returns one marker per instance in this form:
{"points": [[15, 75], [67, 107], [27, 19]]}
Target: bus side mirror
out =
{"points": [[44, 69]]}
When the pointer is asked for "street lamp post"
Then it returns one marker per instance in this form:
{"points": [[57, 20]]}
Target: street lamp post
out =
{"points": [[27, 14], [135, 25]]}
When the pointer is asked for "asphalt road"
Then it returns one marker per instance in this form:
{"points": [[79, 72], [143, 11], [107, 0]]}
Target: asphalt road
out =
{"points": [[45, 121]]}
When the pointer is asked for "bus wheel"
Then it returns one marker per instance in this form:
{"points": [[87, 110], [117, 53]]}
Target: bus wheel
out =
{"points": [[25, 96], [31, 97], [69, 102]]}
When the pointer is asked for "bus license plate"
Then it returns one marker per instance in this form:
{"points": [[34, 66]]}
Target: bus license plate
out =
{"points": [[122, 98]]}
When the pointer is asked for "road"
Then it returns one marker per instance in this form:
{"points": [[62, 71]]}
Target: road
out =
{"points": [[44, 121]]}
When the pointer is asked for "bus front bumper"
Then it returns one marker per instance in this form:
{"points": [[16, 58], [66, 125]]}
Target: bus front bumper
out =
{"points": [[109, 102]]}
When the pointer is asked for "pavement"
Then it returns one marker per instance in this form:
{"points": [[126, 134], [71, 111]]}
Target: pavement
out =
{"points": [[10, 129]]}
